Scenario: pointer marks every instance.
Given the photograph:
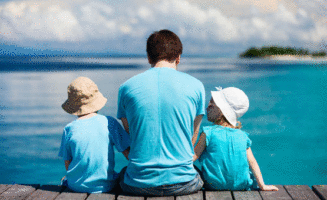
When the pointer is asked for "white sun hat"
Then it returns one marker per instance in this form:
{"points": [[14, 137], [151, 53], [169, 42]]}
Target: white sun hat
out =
{"points": [[232, 102]]}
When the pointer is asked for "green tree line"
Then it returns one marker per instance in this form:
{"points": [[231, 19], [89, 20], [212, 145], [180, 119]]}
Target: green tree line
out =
{"points": [[254, 52]]}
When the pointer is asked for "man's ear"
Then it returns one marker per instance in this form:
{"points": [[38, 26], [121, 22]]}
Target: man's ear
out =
{"points": [[178, 59]]}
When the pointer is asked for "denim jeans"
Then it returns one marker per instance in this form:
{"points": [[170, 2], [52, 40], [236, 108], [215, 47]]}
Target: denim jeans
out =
{"points": [[165, 190]]}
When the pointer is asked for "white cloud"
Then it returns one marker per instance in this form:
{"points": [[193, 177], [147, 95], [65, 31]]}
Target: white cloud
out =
{"points": [[303, 13], [145, 13], [319, 33], [125, 28], [201, 24], [7, 32], [49, 23], [15, 9], [189, 11], [284, 15]]}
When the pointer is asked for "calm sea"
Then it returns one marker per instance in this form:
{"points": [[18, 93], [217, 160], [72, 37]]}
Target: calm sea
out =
{"points": [[286, 119]]}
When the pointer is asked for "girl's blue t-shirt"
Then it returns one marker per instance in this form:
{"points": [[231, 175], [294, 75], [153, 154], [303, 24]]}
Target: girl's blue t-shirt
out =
{"points": [[224, 161], [88, 143]]}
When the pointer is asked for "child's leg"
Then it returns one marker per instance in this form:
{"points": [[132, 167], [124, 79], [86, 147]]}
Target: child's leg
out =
{"points": [[206, 185], [116, 188], [198, 170], [64, 182]]}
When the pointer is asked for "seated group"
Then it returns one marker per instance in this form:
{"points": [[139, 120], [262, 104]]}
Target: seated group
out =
{"points": [[161, 111]]}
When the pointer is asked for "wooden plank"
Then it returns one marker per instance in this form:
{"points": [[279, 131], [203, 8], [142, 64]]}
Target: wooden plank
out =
{"points": [[196, 196], [4, 187], [46, 192], [276, 195], [71, 195], [299, 192], [101, 196], [247, 195], [18, 192], [161, 198], [127, 197], [321, 191], [223, 195]]}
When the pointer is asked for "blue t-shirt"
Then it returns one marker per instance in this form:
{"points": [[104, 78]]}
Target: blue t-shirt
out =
{"points": [[160, 106], [224, 161], [88, 143]]}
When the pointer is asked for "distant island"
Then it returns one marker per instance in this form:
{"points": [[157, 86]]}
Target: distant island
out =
{"points": [[284, 53]]}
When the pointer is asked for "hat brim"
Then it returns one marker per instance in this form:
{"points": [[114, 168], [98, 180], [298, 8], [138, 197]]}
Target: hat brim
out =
{"points": [[95, 104], [228, 112]]}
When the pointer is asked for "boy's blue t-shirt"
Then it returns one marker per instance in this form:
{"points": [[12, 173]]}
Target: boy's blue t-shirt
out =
{"points": [[160, 106], [224, 160], [88, 143]]}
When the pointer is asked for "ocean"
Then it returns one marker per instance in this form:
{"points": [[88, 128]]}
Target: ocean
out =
{"points": [[286, 120]]}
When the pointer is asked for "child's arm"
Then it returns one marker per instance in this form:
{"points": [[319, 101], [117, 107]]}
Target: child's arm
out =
{"points": [[67, 163], [125, 124], [200, 146], [257, 173], [120, 137], [126, 152]]}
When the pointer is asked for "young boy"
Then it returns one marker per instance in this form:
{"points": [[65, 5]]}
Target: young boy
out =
{"points": [[87, 142]]}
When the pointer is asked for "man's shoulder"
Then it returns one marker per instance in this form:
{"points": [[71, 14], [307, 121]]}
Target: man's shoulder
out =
{"points": [[134, 79], [189, 78]]}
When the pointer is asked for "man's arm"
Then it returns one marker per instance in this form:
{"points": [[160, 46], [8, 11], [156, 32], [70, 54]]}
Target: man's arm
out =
{"points": [[200, 146], [125, 124], [197, 123]]}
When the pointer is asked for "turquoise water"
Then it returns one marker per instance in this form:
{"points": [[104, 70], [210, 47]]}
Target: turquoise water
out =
{"points": [[286, 118]]}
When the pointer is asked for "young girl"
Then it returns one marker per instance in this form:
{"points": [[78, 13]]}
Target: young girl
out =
{"points": [[87, 142], [227, 150]]}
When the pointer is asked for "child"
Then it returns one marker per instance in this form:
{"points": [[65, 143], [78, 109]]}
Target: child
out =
{"points": [[87, 142], [227, 155]]}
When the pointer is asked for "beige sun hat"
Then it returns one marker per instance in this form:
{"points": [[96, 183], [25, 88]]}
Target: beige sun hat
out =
{"points": [[83, 97], [232, 102]]}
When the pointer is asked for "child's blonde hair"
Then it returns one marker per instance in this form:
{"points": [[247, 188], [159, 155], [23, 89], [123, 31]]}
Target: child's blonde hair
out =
{"points": [[222, 120]]}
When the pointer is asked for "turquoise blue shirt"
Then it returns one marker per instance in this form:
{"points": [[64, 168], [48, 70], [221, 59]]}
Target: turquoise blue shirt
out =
{"points": [[224, 161], [160, 106], [88, 143]]}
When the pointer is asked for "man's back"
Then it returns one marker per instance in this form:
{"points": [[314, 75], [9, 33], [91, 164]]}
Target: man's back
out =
{"points": [[160, 106]]}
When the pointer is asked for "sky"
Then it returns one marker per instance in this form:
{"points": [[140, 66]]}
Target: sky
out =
{"points": [[206, 27]]}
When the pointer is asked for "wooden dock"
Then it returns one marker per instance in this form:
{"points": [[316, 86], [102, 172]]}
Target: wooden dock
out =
{"points": [[286, 192]]}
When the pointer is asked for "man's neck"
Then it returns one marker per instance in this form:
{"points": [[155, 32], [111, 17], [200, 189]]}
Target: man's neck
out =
{"points": [[165, 63]]}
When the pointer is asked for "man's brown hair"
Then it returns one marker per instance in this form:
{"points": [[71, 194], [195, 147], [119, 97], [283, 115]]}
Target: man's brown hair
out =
{"points": [[163, 45]]}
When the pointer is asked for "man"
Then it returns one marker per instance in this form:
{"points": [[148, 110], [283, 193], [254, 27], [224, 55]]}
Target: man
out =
{"points": [[162, 110]]}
